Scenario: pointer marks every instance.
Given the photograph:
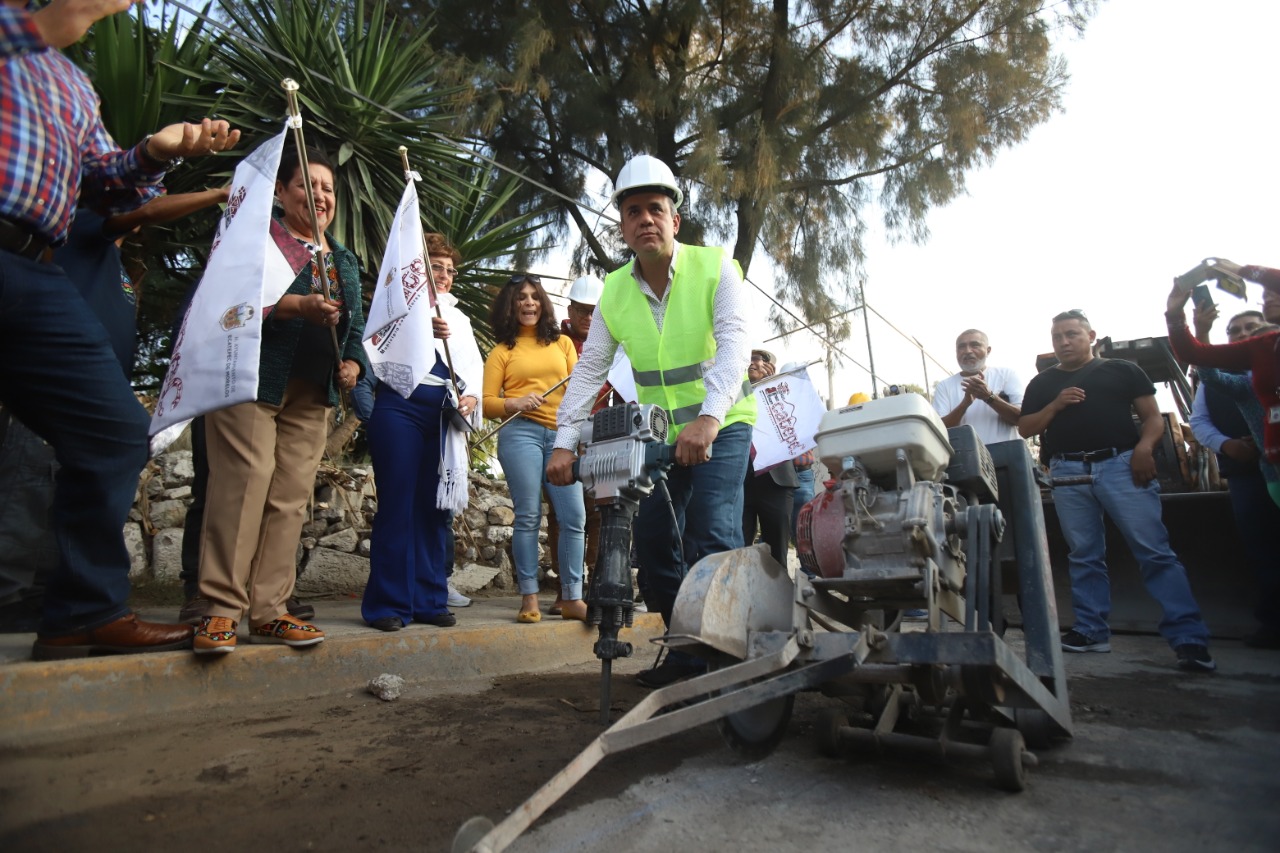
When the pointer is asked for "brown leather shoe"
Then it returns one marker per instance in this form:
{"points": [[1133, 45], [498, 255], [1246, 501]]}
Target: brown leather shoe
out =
{"points": [[127, 635]]}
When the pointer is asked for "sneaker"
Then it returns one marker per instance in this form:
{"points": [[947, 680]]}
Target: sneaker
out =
{"points": [[215, 635], [287, 631], [1194, 657], [919, 615], [299, 609], [194, 610], [457, 599], [1074, 641]]}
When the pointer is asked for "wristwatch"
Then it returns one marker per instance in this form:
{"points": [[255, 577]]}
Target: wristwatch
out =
{"points": [[166, 165], [991, 398]]}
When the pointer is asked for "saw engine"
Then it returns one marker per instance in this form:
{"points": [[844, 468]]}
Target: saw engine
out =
{"points": [[892, 522]]}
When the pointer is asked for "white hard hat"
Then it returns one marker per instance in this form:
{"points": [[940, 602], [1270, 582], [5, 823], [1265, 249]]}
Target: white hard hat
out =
{"points": [[645, 171], [586, 290]]}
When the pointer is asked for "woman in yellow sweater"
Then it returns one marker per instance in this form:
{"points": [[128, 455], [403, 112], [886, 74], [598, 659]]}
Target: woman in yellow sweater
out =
{"points": [[531, 355]]}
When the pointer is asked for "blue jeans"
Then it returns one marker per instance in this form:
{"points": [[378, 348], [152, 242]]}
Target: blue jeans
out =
{"points": [[804, 494], [62, 379], [409, 550], [708, 507], [1136, 512], [524, 449]]}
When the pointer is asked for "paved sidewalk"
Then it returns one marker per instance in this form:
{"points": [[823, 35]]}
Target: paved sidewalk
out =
{"points": [[49, 698]]}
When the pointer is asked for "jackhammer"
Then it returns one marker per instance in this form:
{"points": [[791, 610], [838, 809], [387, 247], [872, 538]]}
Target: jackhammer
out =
{"points": [[626, 454]]}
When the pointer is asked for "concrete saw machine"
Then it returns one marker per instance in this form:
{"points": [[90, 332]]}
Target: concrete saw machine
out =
{"points": [[915, 518]]}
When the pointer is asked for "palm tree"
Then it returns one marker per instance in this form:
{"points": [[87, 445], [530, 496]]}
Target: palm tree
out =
{"points": [[382, 96]]}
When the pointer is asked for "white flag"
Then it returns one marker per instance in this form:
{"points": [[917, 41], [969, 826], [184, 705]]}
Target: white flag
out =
{"points": [[621, 377], [788, 411], [403, 351], [404, 248], [252, 262]]}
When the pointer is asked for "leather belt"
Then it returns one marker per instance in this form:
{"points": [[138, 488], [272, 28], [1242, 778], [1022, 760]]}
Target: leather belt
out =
{"points": [[21, 240], [1091, 455]]}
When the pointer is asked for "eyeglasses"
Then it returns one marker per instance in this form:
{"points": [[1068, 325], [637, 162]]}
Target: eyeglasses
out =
{"points": [[521, 278], [1072, 314], [441, 269]]}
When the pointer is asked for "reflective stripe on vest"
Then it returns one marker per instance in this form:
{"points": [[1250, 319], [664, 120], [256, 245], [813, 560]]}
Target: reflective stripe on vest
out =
{"points": [[668, 366]]}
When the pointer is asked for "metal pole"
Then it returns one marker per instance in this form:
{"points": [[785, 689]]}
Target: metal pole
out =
{"points": [[295, 121], [866, 325], [924, 365]]}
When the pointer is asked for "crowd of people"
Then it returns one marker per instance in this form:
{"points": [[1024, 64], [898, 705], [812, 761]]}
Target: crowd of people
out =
{"points": [[678, 311]]}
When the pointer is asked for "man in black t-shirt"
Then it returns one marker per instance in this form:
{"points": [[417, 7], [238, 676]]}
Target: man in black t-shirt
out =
{"points": [[1083, 407]]}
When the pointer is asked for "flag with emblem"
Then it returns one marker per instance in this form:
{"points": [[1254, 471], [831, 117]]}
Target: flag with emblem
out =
{"points": [[398, 337], [252, 262], [788, 412]]}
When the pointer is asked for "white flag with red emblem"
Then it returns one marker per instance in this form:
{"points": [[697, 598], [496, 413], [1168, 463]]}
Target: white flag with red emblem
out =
{"points": [[252, 262], [398, 337], [788, 411]]}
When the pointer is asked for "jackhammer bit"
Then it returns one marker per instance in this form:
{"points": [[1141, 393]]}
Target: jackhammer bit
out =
{"points": [[625, 455]]}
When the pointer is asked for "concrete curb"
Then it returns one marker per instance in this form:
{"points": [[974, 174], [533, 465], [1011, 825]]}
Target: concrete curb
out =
{"points": [[54, 698]]}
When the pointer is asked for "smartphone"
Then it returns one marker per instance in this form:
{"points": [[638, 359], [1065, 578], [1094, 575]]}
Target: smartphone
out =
{"points": [[1201, 297]]}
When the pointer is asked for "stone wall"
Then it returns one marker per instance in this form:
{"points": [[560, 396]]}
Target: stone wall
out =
{"points": [[333, 552]]}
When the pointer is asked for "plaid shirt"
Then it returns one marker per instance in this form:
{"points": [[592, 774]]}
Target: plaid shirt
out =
{"points": [[54, 150]]}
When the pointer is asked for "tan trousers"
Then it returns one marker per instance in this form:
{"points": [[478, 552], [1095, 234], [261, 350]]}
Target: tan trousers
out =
{"points": [[262, 472]]}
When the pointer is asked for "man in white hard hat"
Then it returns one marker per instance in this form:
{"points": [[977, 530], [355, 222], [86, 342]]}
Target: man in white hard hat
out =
{"points": [[680, 313], [584, 293]]}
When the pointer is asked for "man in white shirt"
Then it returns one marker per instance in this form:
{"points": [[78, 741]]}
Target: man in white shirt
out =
{"points": [[987, 398]]}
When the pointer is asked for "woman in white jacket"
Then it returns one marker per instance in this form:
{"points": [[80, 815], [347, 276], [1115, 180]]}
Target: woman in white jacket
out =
{"points": [[420, 462]]}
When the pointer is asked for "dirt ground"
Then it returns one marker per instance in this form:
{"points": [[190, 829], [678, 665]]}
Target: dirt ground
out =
{"points": [[351, 772]]}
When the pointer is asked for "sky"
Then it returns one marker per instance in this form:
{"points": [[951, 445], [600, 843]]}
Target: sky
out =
{"points": [[1161, 156]]}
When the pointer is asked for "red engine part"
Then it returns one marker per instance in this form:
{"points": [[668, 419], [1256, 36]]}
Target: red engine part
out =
{"points": [[820, 534]]}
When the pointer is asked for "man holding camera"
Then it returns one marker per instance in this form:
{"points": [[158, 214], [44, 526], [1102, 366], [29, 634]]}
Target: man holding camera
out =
{"points": [[1083, 406], [987, 398]]}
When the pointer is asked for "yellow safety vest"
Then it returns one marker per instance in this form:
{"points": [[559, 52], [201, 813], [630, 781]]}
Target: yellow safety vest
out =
{"points": [[668, 365]]}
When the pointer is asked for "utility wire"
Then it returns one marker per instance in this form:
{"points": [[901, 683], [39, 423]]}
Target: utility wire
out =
{"points": [[471, 152]]}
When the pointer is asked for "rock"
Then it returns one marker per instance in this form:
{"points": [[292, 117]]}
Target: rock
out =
{"points": [[502, 515], [344, 540], [369, 489], [364, 547], [155, 487], [325, 494], [166, 514], [386, 687], [330, 572], [176, 494], [136, 544], [327, 513], [472, 577], [473, 517], [134, 515], [315, 529], [166, 555], [499, 534], [176, 468], [359, 472], [488, 552], [308, 542]]}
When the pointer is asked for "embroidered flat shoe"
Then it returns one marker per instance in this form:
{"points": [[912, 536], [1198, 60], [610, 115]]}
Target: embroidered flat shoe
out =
{"points": [[287, 631]]}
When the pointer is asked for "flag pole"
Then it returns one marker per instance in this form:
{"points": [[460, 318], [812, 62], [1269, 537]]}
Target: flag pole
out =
{"points": [[295, 122], [410, 175], [518, 414]]}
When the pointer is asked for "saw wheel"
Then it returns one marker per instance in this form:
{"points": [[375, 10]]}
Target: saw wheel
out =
{"points": [[756, 732]]}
